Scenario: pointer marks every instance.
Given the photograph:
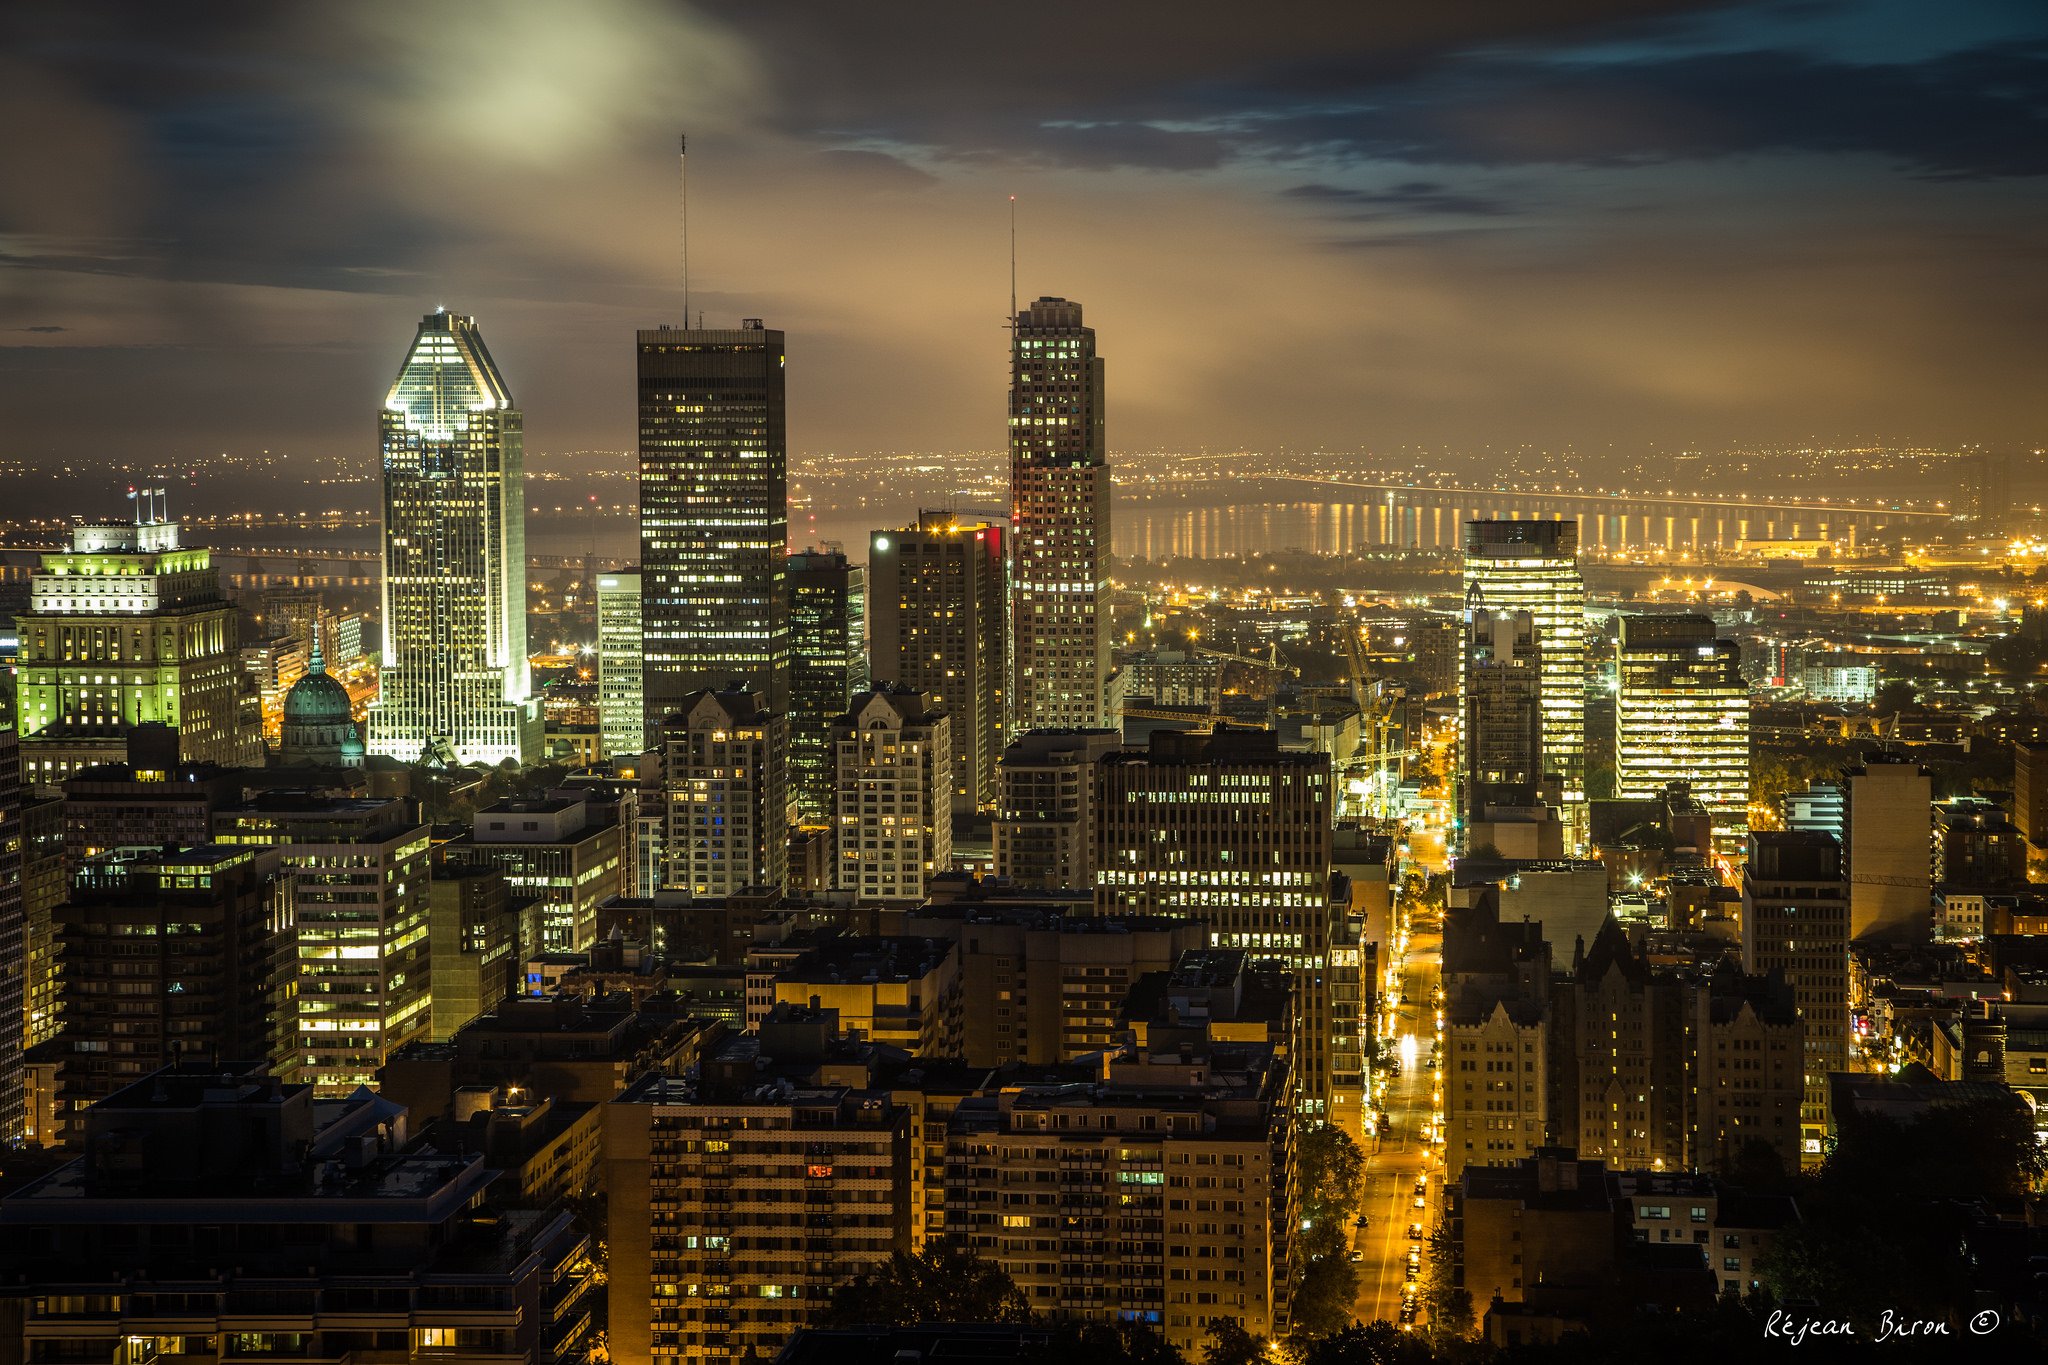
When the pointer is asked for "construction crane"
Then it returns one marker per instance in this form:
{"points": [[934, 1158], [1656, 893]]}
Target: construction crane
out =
{"points": [[1271, 661]]}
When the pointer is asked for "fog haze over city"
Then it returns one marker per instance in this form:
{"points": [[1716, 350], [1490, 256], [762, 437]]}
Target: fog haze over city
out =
{"points": [[1468, 227]]}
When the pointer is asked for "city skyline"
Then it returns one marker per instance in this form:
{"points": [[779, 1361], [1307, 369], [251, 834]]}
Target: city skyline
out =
{"points": [[1231, 896], [1602, 221]]}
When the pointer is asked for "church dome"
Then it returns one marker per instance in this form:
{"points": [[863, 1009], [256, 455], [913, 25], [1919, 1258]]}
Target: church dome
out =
{"points": [[317, 699], [319, 727]]}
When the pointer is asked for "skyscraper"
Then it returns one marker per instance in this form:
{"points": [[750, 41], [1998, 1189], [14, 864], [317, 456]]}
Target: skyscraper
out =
{"points": [[1059, 520], [1533, 566], [938, 627], [1229, 829], [454, 678], [1795, 921], [621, 712], [1502, 704], [127, 627], [1681, 714], [828, 667], [714, 514]]}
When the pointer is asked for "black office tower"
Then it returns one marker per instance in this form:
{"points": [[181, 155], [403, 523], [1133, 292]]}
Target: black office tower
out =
{"points": [[714, 519]]}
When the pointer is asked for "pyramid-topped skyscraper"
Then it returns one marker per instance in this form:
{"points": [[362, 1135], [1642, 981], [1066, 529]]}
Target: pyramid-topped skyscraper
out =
{"points": [[455, 683]]}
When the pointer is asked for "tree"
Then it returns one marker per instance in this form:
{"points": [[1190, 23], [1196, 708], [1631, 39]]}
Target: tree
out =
{"points": [[1324, 1294], [1447, 1307], [1370, 1343], [942, 1283], [1331, 1173], [1231, 1344]]}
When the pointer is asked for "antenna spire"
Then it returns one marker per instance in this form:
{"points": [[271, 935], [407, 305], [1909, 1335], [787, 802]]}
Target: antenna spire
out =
{"points": [[683, 219], [1013, 264]]}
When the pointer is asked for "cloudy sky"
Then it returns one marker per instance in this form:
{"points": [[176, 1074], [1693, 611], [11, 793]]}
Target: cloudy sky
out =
{"points": [[1359, 225]]}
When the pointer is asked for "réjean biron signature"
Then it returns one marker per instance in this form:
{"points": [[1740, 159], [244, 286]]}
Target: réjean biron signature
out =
{"points": [[1891, 1325]]}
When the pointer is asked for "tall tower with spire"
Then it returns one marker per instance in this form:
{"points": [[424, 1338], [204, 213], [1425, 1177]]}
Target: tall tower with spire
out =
{"points": [[454, 681], [1059, 509]]}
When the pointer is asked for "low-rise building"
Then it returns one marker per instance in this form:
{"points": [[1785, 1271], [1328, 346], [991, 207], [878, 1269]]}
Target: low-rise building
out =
{"points": [[219, 1213], [558, 851]]}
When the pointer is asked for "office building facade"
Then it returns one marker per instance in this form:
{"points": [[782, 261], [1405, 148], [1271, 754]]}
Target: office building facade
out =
{"points": [[1533, 566], [828, 668], [893, 804], [1681, 714], [566, 855], [1059, 519], [1227, 829], [173, 955], [621, 713], [454, 680], [725, 766], [1045, 808], [714, 514], [129, 627], [1795, 921], [357, 873], [1502, 705], [937, 626]]}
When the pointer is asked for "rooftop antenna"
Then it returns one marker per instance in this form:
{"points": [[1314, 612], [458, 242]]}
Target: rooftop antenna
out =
{"points": [[1013, 270], [683, 224]]}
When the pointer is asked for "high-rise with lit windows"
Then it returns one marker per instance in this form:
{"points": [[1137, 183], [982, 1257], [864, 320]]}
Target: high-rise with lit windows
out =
{"points": [[1229, 829], [1502, 705], [621, 717], [939, 627], [1059, 518], [1533, 566], [893, 823], [357, 872], [127, 627], [724, 763], [828, 668], [714, 514], [1681, 714], [454, 680], [1795, 921]]}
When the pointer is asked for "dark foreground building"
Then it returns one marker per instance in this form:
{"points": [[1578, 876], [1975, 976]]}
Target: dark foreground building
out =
{"points": [[220, 1214]]}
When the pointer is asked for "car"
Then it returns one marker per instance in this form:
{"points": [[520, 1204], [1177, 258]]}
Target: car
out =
{"points": [[1415, 1232], [1413, 1271], [1357, 1255], [1414, 1257], [1421, 1202]]}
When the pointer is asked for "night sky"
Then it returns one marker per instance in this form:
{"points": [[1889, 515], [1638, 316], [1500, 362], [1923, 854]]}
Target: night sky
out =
{"points": [[1354, 226]]}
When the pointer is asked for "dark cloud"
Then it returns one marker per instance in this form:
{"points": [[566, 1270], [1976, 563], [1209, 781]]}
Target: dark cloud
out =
{"points": [[1407, 199], [1977, 113], [45, 327], [1588, 216]]}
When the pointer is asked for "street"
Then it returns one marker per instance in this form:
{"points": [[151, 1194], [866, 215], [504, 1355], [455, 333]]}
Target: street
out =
{"points": [[1396, 1160]]}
